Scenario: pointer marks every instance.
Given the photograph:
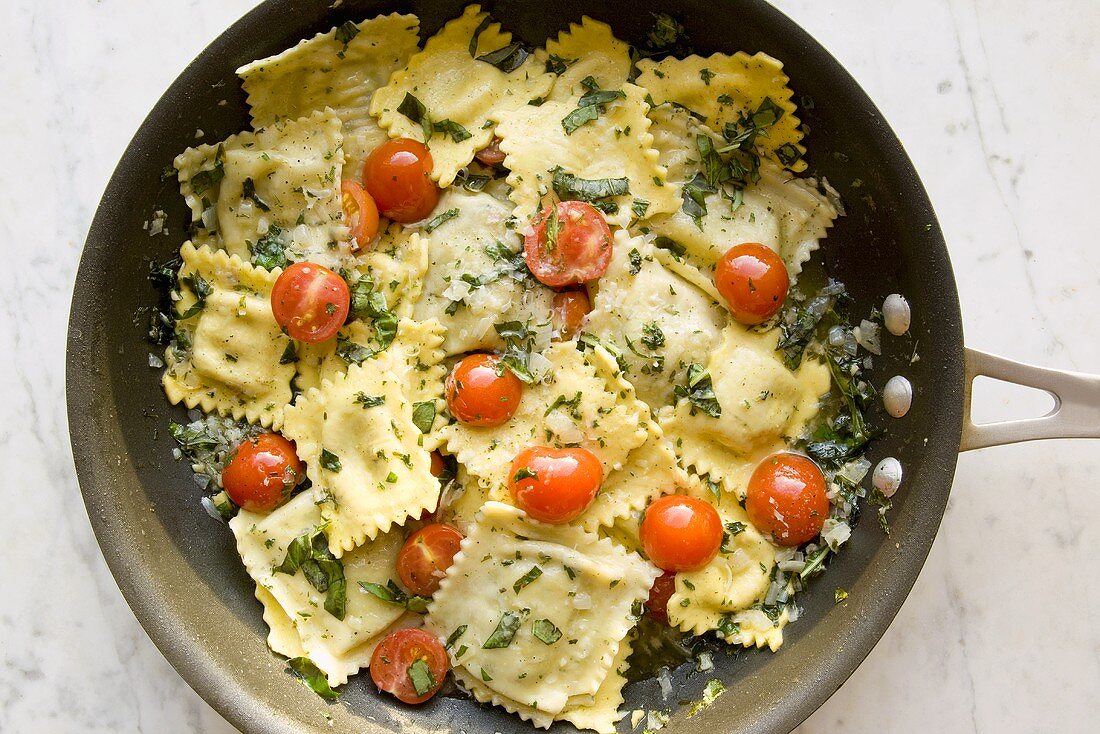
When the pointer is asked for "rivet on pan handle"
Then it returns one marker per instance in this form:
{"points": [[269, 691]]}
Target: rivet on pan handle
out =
{"points": [[1076, 412]]}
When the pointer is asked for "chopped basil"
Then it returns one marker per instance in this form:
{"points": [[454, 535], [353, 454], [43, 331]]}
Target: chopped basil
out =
{"points": [[652, 336], [476, 182], [312, 676], [706, 75], [324, 572], [369, 401], [434, 223], [248, 191], [727, 627], [414, 109], [394, 594], [635, 261], [330, 461], [424, 415], [579, 117], [485, 675], [201, 288], [344, 35], [639, 207], [507, 59], [452, 128], [815, 563], [665, 33], [270, 252], [290, 354], [453, 637], [700, 392], [420, 675], [545, 631], [694, 195], [203, 181], [557, 65], [569, 187], [590, 105], [518, 342], [525, 473], [370, 305], [504, 633], [839, 595], [526, 578], [573, 404], [485, 22], [732, 529]]}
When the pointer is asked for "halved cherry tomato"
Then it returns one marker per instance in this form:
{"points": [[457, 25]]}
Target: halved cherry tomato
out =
{"points": [[786, 498], [681, 533], [310, 302], [481, 392], [569, 311], [663, 589], [360, 213], [491, 154], [426, 556], [262, 472], [753, 280], [568, 244], [407, 658], [555, 485], [397, 175]]}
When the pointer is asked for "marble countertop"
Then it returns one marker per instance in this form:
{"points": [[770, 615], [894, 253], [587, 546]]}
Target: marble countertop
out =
{"points": [[995, 100]]}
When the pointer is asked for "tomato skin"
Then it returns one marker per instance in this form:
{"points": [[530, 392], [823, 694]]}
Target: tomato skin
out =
{"points": [[262, 472], [753, 280], [681, 533], [555, 485], [310, 302], [398, 176], [569, 311], [481, 392], [787, 498], [389, 664], [426, 556], [491, 154], [581, 251], [360, 212], [657, 604]]}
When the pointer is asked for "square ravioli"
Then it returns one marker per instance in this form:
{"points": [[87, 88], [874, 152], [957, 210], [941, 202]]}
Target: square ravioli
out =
{"points": [[538, 612]]}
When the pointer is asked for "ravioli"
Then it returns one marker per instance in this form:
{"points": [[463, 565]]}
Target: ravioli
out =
{"points": [[586, 50]]}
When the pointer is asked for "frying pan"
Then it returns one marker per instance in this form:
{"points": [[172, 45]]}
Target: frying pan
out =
{"points": [[178, 569]]}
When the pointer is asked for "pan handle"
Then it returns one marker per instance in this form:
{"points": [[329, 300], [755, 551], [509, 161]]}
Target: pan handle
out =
{"points": [[1076, 412]]}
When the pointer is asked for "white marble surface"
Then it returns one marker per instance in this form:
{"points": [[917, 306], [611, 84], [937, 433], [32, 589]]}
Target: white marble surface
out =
{"points": [[996, 102]]}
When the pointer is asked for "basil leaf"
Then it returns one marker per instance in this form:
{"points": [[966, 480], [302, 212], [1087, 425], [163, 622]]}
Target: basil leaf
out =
{"points": [[424, 415], [477, 34], [727, 627], [504, 633], [351, 352], [201, 288], [700, 392], [579, 117], [452, 128], [557, 65], [370, 305], [545, 631], [453, 637], [391, 593], [665, 33], [636, 261], [569, 187], [639, 207], [518, 342], [652, 336], [299, 551], [414, 109], [312, 676], [598, 97], [248, 191], [420, 675], [508, 58], [667, 243], [434, 223], [694, 195], [418, 604], [369, 401], [345, 34], [270, 252], [527, 578], [476, 183], [330, 461], [290, 354], [336, 598], [203, 181]]}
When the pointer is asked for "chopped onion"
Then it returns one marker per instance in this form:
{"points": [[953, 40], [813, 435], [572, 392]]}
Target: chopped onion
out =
{"points": [[211, 510], [896, 314], [835, 532], [704, 662], [155, 361], [636, 717], [867, 335], [582, 601], [210, 218], [665, 681], [897, 396], [887, 476], [854, 471], [541, 368]]}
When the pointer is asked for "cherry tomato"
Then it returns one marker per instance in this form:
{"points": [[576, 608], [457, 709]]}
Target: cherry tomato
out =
{"points": [[262, 472], [753, 280], [438, 465], [392, 665], [786, 497], [310, 302], [663, 589], [491, 154], [360, 212], [397, 175], [568, 244], [569, 311], [681, 533], [481, 392], [555, 485], [426, 556]]}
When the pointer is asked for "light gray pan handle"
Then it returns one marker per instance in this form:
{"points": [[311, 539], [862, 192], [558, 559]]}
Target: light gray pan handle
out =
{"points": [[1076, 412]]}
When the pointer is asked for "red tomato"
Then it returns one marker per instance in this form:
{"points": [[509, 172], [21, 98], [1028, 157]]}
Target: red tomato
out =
{"points": [[569, 311], [491, 154], [681, 533], [786, 497], [262, 472], [555, 485], [663, 589], [580, 250], [310, 302], [481, 392], [753, 280], [394, 669], [438, 466], [426, 556], [397, 175], [360, 212]]}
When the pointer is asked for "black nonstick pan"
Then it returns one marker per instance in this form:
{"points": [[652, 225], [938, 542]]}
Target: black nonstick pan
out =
{"points": [[178, 569]]}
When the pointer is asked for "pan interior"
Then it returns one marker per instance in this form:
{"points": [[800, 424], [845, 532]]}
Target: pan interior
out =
{"points": [[178, 568]]}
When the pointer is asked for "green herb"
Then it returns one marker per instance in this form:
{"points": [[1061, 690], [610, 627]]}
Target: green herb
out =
{"points": [[706, 75], [525, 473], [476, 182], [369, 401], [192, 439], [711, 692], [452, 128], [424, 415], [394, 594], [507, 59], [330, 461], [635, 261], [799, 324], [788, 154], [694, 195], [344, 35], [652, 336], [270, 252], [815, 563], [665, 33], [203, 181], [545, 631], [504, 633], [290, 354], [248, 191], [667, 243], [312, 676], [557, 65], [323, 571], [527, 578], [880, 500], [839, 595], [639, 207], [351, 352], [573, 404], [414, 109], [518, 342], [590, 105], [485, 675], [370, 305], [453, 637], [434, 223], [391, 478], [202, 290], [700, 392], [485, 22], [420, 675], [727, 628], [569, 187]]}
